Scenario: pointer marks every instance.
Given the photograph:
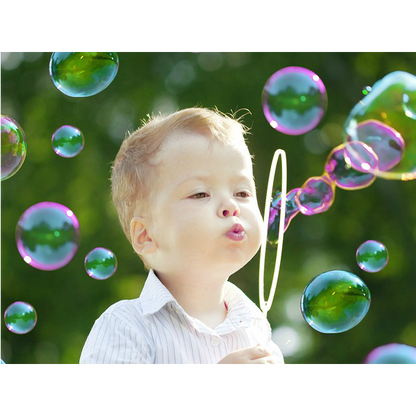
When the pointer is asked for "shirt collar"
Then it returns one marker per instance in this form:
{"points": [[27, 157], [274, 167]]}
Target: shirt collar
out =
{"points": [[155, 296]]}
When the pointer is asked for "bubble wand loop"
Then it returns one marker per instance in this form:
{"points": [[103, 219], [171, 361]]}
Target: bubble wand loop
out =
{"points": [[266, 305]]}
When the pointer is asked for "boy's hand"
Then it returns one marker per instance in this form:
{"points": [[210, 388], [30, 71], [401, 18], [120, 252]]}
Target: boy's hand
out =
{"points": [[252, 355]]}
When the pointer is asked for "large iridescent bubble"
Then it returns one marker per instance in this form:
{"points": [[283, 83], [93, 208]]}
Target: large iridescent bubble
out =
{"points": [[384, 120], [47, 235], [13, 147], [294, 100], [83, 74], [335, 301]]}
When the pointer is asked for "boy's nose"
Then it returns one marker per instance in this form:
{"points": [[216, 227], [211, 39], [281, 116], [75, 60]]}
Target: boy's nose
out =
{"points": [[229, 211]]}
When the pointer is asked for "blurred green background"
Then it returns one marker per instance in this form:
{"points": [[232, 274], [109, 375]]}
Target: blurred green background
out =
{"points": [[68, 301]]}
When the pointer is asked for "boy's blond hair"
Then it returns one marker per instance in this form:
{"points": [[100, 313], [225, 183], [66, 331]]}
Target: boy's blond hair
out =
{"points": [[133, 171]]}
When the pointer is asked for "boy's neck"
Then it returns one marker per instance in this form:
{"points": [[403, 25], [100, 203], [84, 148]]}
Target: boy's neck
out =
{"points": [[201, 298]]}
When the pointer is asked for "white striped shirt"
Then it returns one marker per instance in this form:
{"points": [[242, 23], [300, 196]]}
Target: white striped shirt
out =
{"points": [[155, 329]]}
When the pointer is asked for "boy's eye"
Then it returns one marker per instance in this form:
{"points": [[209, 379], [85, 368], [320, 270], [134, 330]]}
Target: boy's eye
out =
{"points": [[200, 195], [243, 194]]}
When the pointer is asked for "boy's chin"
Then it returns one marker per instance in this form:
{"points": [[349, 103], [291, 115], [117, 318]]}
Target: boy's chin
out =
{"points": [[230, 266]]}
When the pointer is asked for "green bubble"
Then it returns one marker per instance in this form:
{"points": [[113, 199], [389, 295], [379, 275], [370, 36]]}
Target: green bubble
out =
{"points": [[83, 74], [335, 301]]}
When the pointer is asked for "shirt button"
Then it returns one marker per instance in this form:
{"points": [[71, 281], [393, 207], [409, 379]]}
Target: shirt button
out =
{"points": [[215, 341]]}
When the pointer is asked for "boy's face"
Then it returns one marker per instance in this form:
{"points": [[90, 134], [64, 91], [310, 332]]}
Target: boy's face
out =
{"points": [[205, 218]]}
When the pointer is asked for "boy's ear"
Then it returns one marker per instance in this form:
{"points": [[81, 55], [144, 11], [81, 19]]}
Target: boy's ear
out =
{"points": [[142, 242]]}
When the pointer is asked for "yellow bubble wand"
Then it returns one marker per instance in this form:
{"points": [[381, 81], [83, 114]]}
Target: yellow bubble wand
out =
{"points": [[266, 305]]}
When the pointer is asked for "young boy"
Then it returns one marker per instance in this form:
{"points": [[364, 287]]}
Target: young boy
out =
{"points": [[184, 191]]}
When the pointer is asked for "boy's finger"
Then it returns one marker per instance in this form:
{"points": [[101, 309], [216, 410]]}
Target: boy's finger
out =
{"points": [[264, 360], [258, 352]]}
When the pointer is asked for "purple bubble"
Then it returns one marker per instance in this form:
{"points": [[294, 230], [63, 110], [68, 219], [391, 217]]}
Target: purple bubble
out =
{"points": [[386, 142], [294, 100], [316, 195], [274, 217], [47, 235], [339, 168]]}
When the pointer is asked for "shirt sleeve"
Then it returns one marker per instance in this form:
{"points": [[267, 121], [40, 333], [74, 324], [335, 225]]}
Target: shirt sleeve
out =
{"points": [[112, 341]]}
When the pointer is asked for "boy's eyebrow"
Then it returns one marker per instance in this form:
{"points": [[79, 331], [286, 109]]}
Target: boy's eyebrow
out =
{"points": [[204, 177], [193, 176]]}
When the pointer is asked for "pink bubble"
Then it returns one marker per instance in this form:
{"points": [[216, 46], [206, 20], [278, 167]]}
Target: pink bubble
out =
{"points": [[316, 195]]}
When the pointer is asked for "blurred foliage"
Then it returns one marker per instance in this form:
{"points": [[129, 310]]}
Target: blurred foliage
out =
{"points": [[68, 301]]}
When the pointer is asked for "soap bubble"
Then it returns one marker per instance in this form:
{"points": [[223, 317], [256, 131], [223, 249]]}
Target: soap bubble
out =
{"points": [[83, 74], [383, 120], [47, 235], [335, 301], [372, 256], [316, 195], [342, 169], [294, 100], [274, 217], [100, 263], [392, 354], [385, 142], [13, 147], [67, 141], [20, 317]]}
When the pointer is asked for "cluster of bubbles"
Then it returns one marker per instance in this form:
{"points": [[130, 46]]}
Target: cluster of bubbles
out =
{"points": [[337, 300], [48, 233], [379, 141], [48, 237], [75, 74]]}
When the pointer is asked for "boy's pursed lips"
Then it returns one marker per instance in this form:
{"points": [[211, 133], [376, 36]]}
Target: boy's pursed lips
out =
{"points": [[236, 232]]}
